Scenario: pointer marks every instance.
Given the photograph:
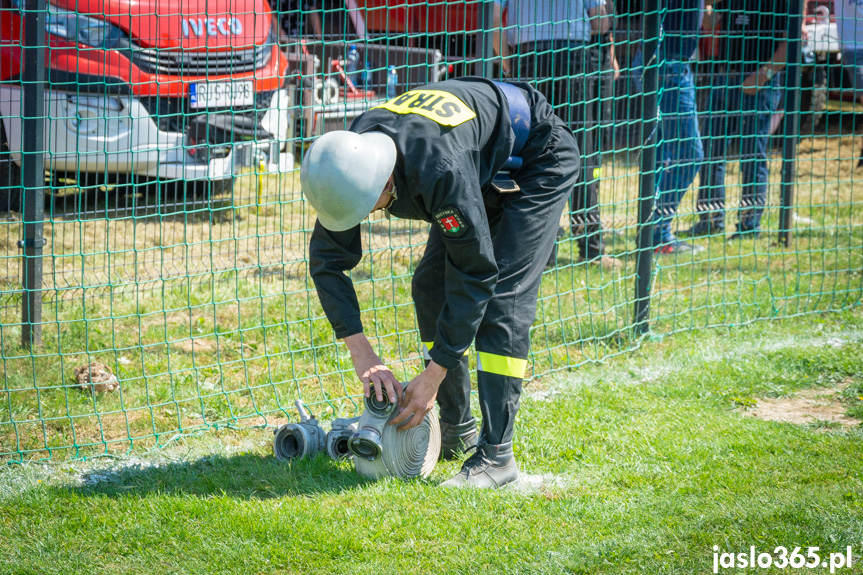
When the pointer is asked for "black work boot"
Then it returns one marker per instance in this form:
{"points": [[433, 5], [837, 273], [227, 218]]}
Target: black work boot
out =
{"points": [[456, 438], [492, 466]]}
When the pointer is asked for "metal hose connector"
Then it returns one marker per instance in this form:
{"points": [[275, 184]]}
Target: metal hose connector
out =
{"points": [[299, 440], [366, 444], [338, 437]]}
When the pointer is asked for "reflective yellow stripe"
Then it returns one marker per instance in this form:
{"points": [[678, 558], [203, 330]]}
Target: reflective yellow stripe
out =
{"points": [[501, 364], [427, 345]]}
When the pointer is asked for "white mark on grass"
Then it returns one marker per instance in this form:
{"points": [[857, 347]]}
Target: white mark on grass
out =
{"points": [[653, 373], [832, 342], [661, 368], [538, 483], [543, 394]]}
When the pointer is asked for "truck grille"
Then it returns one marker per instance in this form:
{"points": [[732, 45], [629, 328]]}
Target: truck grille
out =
{"points": [[204, 63], [175, 115]]}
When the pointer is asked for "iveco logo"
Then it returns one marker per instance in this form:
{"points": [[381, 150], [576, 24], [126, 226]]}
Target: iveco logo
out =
{"points": [[212, 27]]}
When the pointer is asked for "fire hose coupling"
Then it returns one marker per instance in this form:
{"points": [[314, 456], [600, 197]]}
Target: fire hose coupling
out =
{"points": [[299, 440], [307, 439], [366, 442], [339, 436]]}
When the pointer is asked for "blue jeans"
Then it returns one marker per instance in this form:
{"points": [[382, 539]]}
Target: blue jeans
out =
{"points": [[680, 151], [728, 102], [852, 62]]}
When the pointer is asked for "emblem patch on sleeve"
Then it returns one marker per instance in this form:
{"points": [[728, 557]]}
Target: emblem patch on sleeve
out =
{"points": [[452, 222]]}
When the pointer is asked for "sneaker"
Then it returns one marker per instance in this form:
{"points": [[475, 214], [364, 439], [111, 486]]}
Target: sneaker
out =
{"points": [[678, 247], [702, 228]]}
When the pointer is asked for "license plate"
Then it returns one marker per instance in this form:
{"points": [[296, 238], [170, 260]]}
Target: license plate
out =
{"points": [[221, 94]]}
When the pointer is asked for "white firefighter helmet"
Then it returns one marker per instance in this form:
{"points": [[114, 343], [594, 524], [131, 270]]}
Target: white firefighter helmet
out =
{"points": [[343, 175]]}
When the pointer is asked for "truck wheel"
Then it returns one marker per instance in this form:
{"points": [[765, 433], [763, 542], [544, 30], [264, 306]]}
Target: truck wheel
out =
{"points": [[813, 98], [10, 177]]}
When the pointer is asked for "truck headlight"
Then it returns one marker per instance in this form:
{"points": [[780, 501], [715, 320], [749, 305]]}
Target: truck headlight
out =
{"points": [[81, 29]]}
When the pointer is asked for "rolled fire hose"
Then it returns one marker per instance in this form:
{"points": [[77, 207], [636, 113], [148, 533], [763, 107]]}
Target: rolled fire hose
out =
{"points": [[380, 449]]}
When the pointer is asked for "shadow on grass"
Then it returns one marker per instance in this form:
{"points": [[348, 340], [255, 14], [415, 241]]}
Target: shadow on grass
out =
{"points": [[245, 476]]}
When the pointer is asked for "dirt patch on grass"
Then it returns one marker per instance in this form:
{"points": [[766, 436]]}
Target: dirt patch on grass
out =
{"points": [[195, 345], [811, 406]]}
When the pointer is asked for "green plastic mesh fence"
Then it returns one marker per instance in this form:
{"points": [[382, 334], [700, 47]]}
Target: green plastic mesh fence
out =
{"points": [[174, 289]]}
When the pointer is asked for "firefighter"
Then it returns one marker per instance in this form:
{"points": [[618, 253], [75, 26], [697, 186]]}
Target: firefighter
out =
{"points": [[432, 154]]}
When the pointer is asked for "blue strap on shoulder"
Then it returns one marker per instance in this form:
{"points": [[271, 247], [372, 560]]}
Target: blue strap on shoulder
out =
{"points": [[519, 117]]}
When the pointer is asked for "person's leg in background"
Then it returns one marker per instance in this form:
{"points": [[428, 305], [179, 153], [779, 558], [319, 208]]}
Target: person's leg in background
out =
{"points": [[500, 47], [458, 426], [561, 71], [538, 64], [724, 104], [609, 72], [558, 70], [852, 62], [583, 76], [756, 113], [585, 223], [680, 153]]}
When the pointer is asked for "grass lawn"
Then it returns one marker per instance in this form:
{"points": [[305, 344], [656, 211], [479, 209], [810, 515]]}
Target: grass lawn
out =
{"points": [[641, 464], [639, 454]]}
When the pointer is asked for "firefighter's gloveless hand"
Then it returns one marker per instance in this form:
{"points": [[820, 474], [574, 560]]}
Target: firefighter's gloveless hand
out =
{"points": [[371, 370], [419, 397]]}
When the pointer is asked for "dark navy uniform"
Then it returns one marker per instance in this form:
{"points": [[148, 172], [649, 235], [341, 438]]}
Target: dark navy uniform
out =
{"points": [[479, 277]]}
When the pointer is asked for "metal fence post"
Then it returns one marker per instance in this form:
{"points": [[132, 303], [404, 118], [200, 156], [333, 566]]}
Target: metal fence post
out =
{"points": [[33, 76], [792, 121], [647, 187]]}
